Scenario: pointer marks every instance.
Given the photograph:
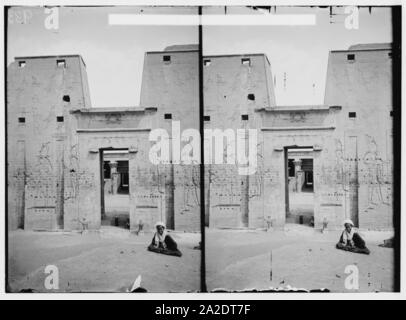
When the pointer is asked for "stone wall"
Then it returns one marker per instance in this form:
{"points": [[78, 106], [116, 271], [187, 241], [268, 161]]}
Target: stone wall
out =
{"points": [[364, 143], [40, 93], [234, 87], [55, 139], [170, 82]]}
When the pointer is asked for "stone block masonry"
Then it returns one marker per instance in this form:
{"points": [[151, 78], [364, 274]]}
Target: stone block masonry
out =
{"points": [[55, 142]]}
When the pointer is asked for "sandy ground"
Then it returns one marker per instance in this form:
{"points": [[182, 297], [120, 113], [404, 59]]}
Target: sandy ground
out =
{"points": [[110, 261], [105, 261], [301, 258], [300, 203]]}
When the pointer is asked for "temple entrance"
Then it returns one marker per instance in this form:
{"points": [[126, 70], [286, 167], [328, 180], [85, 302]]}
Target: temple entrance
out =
{"points": [[299, 186], [115, 206]]}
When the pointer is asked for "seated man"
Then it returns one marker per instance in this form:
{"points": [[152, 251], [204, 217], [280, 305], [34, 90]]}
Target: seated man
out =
{"points": [[350, 240], [163, 243]]}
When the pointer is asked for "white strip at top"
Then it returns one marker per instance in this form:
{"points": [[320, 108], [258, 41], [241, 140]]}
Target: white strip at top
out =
{"points": [[212, 20]]}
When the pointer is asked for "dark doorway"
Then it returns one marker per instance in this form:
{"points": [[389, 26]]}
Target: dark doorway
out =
{"points": [[122, 169], [115, 201], [299, 190], [307, 167]]}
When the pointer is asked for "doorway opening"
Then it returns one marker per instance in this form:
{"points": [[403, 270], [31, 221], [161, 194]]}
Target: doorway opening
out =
{"points": [[299, 185], [115, 190]]}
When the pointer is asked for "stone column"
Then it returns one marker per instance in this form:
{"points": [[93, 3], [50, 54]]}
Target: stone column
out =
{"points": [[114, 177], [299, 174]]}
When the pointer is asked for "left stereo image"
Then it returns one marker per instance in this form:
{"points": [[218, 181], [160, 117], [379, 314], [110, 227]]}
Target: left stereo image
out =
{"points": [[98, 111]]}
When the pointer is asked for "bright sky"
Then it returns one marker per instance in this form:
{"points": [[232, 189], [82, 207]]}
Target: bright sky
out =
{"points": [[114, 55], [299, 51]]}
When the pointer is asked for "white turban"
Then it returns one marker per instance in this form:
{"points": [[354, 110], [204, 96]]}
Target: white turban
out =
{"points": [[160, 223], [349, 222]]}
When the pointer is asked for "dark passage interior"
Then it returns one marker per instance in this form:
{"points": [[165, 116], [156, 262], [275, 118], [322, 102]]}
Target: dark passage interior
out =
{"points": [[299, 186], [115, 189]]}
